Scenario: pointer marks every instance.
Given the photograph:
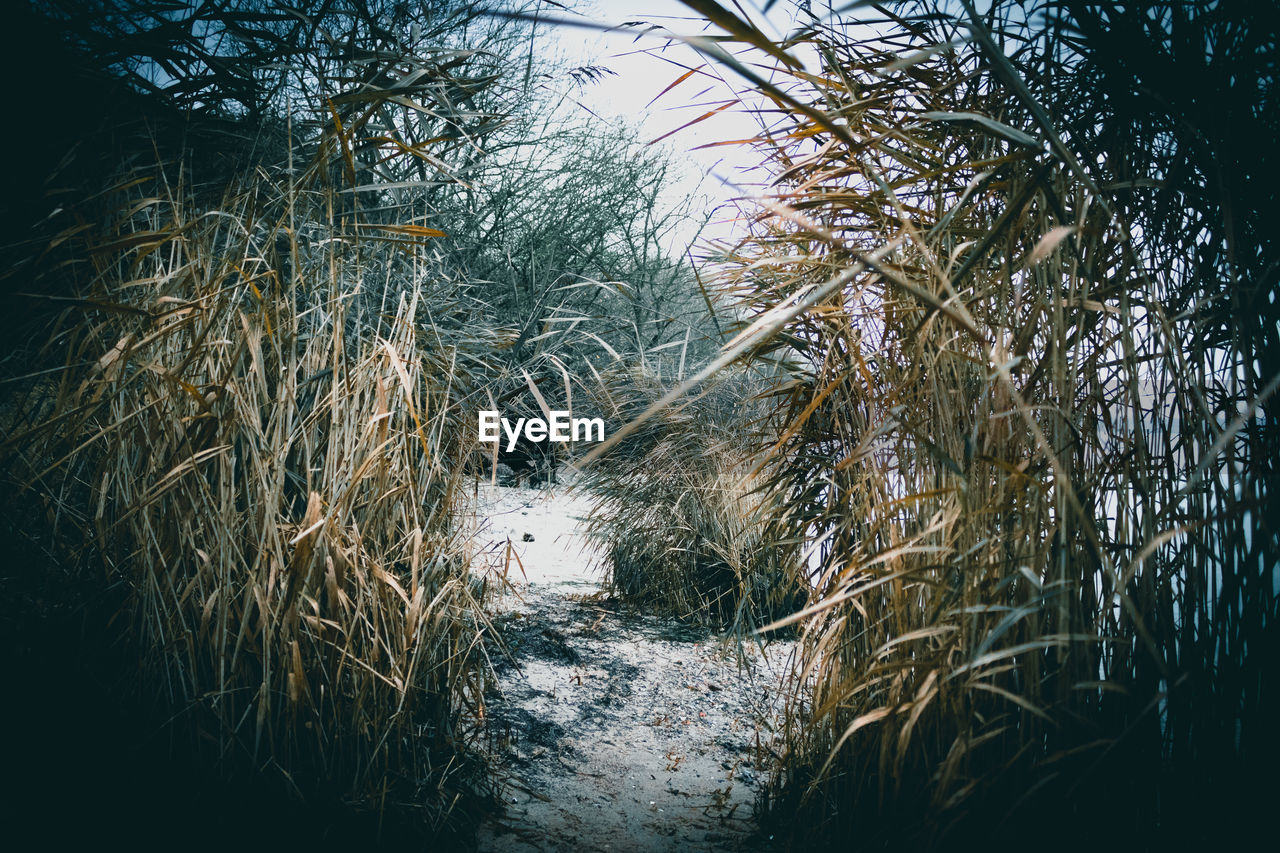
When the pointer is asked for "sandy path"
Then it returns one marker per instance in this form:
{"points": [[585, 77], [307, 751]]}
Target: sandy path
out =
{"points": [[614, 730]]}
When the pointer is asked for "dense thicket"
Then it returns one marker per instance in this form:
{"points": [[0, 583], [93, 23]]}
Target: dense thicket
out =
{"points": [[257, 291], [1014, 265]]}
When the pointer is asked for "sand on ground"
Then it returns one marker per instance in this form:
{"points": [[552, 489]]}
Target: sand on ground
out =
{"points": [[612, 729]]}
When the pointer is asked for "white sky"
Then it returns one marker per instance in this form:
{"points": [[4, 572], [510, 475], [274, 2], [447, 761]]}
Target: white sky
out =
{"points": [[644, 66]]}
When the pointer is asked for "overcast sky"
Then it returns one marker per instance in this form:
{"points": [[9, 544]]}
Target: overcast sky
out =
{"points": [[645, 65]]}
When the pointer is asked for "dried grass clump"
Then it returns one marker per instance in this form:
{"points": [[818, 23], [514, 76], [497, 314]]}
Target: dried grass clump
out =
{"points": [[274, 482], [675, 508]]}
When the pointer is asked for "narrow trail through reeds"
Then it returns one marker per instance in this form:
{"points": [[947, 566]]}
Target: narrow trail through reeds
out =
{"points": [[612, 728], [977, 402]]}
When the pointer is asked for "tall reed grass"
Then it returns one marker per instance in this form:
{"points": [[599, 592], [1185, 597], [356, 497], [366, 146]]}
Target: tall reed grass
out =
{"points": [[276, 480], [1025, 481], [240, 417]]}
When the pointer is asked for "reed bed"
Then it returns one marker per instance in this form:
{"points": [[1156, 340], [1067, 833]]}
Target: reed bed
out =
{"points": [[996, 430], [236, 428], [1022, 453], [276, 482]]}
